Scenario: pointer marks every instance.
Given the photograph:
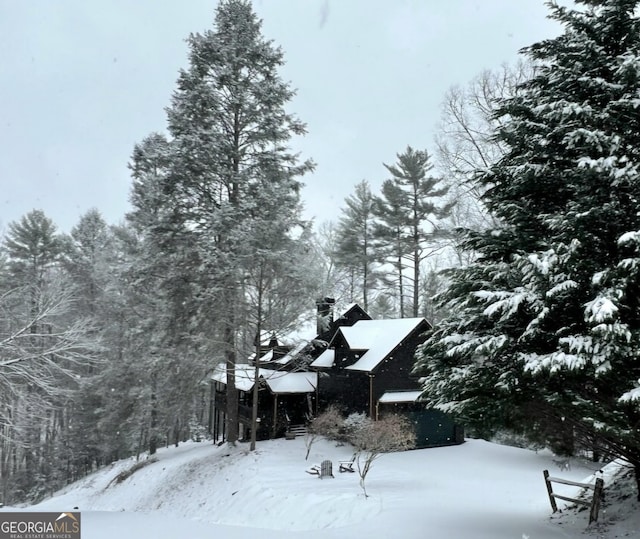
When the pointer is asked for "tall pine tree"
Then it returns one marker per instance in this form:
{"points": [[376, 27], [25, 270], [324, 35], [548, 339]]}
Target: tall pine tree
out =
{"points": [[411, 212], [228, 149], [355, 249], [390, 234], [545, 326]]}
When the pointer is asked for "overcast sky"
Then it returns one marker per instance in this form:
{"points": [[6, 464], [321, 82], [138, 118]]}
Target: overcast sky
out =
{"points": [[81, 81]]}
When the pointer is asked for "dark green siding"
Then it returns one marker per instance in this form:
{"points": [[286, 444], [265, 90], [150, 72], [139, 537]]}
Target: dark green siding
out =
{"points": [[434, 428]]}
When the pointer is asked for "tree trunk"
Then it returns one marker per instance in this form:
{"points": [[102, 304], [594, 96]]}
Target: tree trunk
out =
{"points": [[416, 281], [230, 355], [400, 285], [256, 376], [365, 273], [153, 440]]}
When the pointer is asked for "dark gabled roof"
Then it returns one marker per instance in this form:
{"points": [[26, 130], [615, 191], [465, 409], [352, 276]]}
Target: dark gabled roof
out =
{"points": [[312, 348], [378, 339], [345, 317]]}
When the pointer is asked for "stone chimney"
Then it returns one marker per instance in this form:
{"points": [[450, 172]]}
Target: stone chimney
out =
{"points": [[325, 314]]}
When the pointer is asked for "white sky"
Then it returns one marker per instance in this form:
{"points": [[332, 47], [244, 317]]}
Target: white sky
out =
{"points": [[82, 81]]}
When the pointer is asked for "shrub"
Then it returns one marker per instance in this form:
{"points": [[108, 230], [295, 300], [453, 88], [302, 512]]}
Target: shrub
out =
{"points": [[327, 425], [374, 438]]}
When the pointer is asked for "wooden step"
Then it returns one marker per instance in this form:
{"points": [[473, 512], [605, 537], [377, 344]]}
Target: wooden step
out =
{"points": [[298, 430]]}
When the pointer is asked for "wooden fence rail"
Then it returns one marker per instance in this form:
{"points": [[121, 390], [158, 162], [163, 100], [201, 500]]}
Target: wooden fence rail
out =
{"points": [[594, 504]]}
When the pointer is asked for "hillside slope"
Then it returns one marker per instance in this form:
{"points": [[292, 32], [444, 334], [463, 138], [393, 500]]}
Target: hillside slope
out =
{"points": [[476, 490]]}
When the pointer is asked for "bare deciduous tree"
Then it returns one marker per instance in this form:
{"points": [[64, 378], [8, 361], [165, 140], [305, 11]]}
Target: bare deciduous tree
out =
{"points": [[43, 356], [326, 425], [466, 143], [56, 349], [374, 438]]}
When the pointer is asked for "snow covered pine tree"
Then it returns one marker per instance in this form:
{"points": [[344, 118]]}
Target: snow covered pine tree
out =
{"points": [[226, 157], [546, 322]]}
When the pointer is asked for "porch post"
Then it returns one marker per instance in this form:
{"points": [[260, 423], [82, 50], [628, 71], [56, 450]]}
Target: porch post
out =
{"points": [[372, 414], [210, 422], [275, 415]]}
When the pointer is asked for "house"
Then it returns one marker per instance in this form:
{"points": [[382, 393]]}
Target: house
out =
{"points": [[367, 359], [287, 388], [360, 364]]}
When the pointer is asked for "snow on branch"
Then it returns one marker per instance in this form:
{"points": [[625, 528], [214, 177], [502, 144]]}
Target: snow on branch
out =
{"points": [[504, 303], [630, 265], [543, 262], [563, 109], [481, 346], [596, 138], [630, 238], [42, 347], [633, 395], [554, 362], [618, 331], [600, 310], [534, 325], [563, 286]]}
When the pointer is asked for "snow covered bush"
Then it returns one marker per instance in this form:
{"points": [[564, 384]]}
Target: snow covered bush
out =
{"points": [[352, 425]]}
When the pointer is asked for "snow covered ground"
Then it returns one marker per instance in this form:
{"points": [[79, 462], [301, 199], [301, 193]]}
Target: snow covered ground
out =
{"points": [[477, 490]]}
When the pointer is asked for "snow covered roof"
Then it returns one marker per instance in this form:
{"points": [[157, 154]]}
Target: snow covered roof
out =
{"points": [[304, 329], [304, 333], [326, 359], [244, 375], [266, 335], [378, 338], [400, 396], [267, 357], [292, 353], [291, 382], [298, 338], [277, 381]]}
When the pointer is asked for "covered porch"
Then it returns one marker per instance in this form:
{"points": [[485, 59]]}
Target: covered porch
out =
{"points": [[284, 399]]}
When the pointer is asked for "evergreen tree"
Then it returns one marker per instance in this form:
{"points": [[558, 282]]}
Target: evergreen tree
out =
{"points": [[391, 237], [411, 214], [133, 315], [228, 146], [336, 280], [33, 246], [84, 257], [355, 250], [544, 327]]}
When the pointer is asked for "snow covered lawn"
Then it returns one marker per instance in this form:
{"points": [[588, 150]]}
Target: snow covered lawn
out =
{"points": [[477, 490]]}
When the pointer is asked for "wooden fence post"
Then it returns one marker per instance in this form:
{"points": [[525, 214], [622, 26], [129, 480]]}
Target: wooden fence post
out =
{"points": [[595, 504], [552, 500]]}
